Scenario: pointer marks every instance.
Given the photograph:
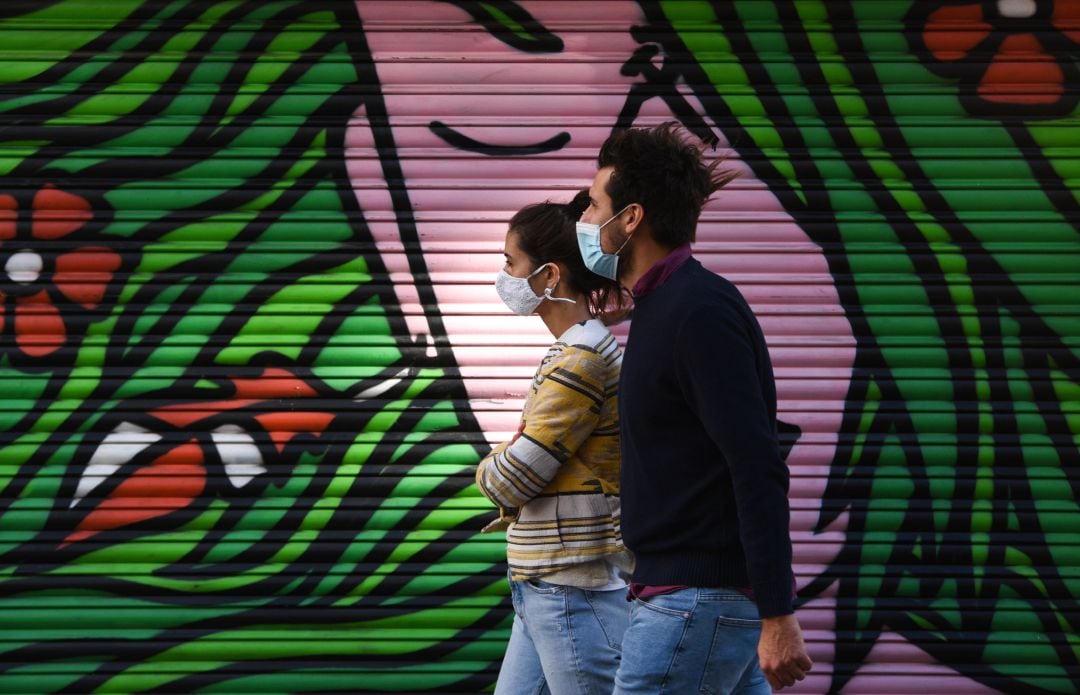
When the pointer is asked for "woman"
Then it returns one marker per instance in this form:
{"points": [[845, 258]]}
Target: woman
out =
{"points": [[556, 483]]}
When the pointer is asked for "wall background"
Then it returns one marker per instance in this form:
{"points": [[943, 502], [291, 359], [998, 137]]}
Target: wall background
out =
{"points": [[250, 348]]}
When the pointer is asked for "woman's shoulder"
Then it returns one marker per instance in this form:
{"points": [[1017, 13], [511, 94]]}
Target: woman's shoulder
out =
{"points": [[588, 347], [591, 336]]}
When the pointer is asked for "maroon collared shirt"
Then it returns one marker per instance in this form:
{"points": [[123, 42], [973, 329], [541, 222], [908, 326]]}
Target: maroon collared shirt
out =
{"points": [[661, 271]]}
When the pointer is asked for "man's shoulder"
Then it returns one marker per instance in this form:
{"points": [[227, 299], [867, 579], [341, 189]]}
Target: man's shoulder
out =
{"points": [[705, 288]]}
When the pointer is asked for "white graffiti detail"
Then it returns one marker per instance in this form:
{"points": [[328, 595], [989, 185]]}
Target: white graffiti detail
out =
{"points": [[118, 447], [1016, 9], [24, 267], [382, 387], [239, 454]]}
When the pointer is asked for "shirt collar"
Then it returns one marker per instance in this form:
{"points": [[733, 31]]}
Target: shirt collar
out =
{"points": [[660, 271]]}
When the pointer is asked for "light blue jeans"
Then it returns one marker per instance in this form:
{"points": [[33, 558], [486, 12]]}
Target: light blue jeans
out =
{"points": [[692, 641], [565, 640]]}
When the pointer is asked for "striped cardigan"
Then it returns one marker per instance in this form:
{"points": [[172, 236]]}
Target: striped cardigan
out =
{"points": [[556, 483]]}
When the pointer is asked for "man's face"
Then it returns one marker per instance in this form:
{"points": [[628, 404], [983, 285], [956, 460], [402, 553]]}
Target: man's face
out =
{"points": [[601, 211], [600, 206], [614, 238]]}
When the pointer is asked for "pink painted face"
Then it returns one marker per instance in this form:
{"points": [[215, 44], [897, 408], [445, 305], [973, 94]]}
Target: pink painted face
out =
{"points": [[479, 129]]}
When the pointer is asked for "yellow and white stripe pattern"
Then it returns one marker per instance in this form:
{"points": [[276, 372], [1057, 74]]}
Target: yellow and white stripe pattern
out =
{"points": [[557, 481]]}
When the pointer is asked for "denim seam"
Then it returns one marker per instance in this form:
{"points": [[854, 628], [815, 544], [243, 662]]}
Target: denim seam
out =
{"points": [[722, 597], [703, 687], [516, 601], [688, 619], [616, 645], [568, 616]]}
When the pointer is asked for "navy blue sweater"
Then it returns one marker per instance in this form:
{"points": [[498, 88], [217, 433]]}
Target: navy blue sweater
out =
{"points": [[704, 489]]}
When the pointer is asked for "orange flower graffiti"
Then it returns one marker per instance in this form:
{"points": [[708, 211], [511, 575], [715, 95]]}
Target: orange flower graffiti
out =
{"points": [[1012, 57], [48, 278]]}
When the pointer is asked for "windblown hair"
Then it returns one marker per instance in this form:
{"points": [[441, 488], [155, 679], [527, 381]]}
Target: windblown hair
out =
{"points": [[663, 171], [546, 233]]}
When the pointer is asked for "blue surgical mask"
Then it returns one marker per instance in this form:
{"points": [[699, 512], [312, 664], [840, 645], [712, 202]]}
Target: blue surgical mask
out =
{"points": [[588, 237]]}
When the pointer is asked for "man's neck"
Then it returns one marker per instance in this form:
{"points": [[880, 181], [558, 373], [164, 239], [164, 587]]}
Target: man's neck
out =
{"points": [[647, 253]]}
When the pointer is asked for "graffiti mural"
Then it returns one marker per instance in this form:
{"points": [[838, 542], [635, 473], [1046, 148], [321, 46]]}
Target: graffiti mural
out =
{"points": [[251, 350]]}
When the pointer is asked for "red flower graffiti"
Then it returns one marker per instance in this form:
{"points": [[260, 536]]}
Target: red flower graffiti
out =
{"points": [[42, 270], [1012, 57]]}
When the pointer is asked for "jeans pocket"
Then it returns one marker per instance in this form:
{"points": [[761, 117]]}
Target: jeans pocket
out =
{"points": [[539, 586], [654, 649], [677, 604], [739, 622], [732, 655]]}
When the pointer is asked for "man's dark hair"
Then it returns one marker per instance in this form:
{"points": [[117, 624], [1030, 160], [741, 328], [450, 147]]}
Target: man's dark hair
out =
{"points": [[663, 171]]}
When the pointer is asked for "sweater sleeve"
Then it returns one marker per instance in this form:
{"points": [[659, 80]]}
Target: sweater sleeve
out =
{"points": [[561, 413], [720, 375]]}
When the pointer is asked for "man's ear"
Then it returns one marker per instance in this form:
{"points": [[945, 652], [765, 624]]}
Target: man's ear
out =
{"points": [[636, 216]]}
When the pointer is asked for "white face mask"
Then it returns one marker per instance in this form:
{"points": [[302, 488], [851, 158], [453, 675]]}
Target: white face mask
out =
{"points": [[518, 296]]}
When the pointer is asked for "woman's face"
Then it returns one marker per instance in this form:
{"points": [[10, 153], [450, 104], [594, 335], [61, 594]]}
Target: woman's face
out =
{"points": [[518, 264], [515, 261]]}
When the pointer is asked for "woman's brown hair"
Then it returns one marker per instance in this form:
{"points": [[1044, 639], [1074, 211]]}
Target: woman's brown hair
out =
{"points": [[546, 233]]}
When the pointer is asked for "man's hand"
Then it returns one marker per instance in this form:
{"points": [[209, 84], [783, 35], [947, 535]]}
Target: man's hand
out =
{"points": [[782, 652]]}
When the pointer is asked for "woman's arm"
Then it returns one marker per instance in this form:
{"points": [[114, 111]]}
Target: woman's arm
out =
{"points": [[562, 412]]}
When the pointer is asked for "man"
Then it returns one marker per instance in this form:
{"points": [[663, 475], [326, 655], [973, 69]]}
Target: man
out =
{"points": [[704, 489]]}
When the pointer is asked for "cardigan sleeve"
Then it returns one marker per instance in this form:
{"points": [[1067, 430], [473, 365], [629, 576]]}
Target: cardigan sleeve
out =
{"points": [[562, 410]]}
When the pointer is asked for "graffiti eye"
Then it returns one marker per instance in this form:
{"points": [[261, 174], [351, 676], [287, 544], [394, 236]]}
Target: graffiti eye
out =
{"points": [[461, 141]]}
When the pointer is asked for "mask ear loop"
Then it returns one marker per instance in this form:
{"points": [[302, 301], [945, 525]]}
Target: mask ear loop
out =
{"points": [[548, 290], [628, 237], [547, 295]]}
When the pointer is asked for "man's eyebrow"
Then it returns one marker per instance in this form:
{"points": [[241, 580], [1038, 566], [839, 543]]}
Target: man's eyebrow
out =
{"points": [[512, 24]]}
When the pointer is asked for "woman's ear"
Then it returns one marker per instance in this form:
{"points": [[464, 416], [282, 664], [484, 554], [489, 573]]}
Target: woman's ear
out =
{"points": [[552, 275], [546, 276]]}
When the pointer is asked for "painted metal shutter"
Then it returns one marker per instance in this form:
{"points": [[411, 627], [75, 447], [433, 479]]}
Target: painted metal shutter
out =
{"points": [[250, 352]]}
